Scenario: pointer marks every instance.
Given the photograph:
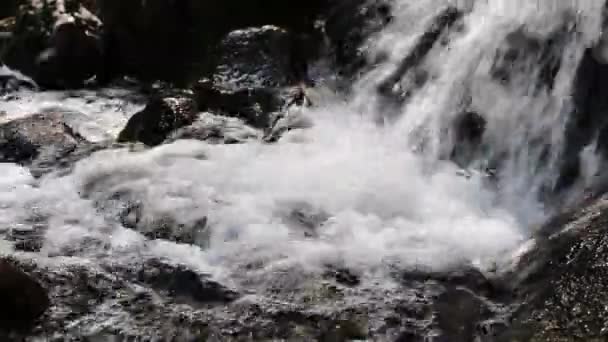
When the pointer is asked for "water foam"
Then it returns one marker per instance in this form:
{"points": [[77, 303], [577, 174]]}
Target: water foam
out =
{"points": [[375, 199]]}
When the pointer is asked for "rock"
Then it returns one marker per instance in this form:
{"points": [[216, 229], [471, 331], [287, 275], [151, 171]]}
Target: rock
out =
{"points": [[468, 128], [216, 129], [257, 58], [586, 118], [23, 299], [38, 140], [523, 52], [163, 114], [8, 8], [55, 42], [258, 107], [440, 25], [177, 48], [562, 280], [11, 81], [348, 24], [184, 284]]}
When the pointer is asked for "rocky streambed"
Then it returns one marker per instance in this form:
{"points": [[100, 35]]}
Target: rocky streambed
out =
{"points": [[320, 171]]}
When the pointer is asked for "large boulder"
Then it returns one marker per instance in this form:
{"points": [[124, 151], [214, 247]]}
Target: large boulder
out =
{"points": [[55, 42], [163, 114], [23, 298], [164, 39], [257, 57], [563, 278], [36, 137]]}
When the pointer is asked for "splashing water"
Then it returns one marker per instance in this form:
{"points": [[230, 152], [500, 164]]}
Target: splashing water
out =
{"points": [[368, 194]]}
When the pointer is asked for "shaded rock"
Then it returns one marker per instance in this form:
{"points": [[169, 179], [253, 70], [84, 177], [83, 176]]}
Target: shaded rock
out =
{"points": [[458, 313], [586, 119], [55, 42], [23, 298], [163, 114], [39, 139], [8, 8], [178, 49]]}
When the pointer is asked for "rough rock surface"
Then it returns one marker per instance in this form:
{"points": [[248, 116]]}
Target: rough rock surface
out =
{"points": [[38, 139], [563, 279], [163, 114], [177, 49], [55, 42], [257, 57]]}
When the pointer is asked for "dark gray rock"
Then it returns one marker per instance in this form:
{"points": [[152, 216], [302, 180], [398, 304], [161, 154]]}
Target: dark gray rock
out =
{"points": [[348, 24], [38, 138], [217, 129], [562, 279], [163, 114], [183, 284], [23, 298], [256, 58], [258, 107], [55, 42]]}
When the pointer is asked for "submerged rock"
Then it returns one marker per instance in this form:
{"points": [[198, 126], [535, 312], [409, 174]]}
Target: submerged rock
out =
{"points": [[23, 299]]}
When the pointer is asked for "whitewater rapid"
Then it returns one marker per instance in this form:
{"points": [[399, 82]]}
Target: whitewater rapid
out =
{"points": [[383, 194]]}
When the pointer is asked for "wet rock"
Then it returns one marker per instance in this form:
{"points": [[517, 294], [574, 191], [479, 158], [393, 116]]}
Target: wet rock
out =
{"points": [[468, 128], [586, 119], [257, 57], [458, 312], [348, 24], [562, 279], [183, 284], [23, 298], [163, 114], [38, 139], [258, 107], [523, 53], [55, 42], [216, 129], [439, 27], [178, 49]]}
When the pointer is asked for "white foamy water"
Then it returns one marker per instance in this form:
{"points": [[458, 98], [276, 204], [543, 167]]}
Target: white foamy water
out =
{"points": [[375, 198]]}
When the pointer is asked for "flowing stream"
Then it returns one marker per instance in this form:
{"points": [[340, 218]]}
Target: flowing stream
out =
{"points": [[374, 180]]}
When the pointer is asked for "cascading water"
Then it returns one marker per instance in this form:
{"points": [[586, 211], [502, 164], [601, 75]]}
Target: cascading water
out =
{"points": [[375, 177]]}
